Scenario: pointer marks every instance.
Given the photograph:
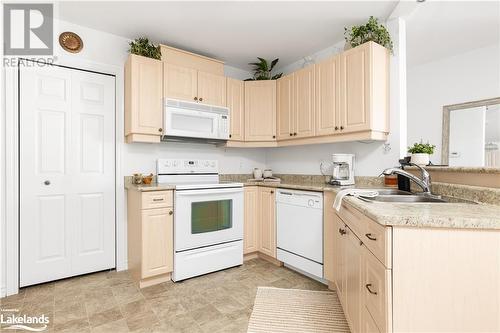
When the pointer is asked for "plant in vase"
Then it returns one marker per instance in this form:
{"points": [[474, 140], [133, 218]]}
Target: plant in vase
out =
{"points": [[142, 46], [420, 153], [371, 31], [263, 70]]}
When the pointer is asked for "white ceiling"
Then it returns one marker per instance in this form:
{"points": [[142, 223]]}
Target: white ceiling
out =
{"points": [[438, 29], [235, 32]]}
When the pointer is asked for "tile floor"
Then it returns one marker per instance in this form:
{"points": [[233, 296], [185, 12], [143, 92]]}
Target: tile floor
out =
{"points": [[110, 302]]}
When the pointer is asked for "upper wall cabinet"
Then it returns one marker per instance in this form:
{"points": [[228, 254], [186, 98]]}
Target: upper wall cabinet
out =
{"points": [[193, 85], [285, 107], [304, 102], [235, 101], [143, 99], [328, 96], [260, 110], [364, 80]]}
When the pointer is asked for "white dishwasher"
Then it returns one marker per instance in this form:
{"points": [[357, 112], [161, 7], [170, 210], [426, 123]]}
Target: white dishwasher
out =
{"points": [[299, 219]]}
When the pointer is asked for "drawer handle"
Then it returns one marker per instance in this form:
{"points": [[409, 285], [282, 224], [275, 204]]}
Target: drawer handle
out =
{"points": [[369, 290], [161, 199], [370, 237], [342, 231]]}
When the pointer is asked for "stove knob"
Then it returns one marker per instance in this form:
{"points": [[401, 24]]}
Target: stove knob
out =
{"points": [[310, 203]]}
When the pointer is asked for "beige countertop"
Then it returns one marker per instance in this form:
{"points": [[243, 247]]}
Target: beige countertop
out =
{"points": [[422, 215]]}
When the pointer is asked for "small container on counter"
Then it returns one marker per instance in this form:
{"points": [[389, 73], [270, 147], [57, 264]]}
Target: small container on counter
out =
{"points": [[391, 180]]}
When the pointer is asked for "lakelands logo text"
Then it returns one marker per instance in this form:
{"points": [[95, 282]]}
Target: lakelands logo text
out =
{"points": [[28, 29], [24, 322]]}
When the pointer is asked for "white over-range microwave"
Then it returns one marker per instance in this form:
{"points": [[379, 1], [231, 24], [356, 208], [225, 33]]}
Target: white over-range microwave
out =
{"points": [[195, 120]]}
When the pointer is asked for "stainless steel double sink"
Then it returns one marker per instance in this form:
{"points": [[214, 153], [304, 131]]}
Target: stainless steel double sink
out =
{"points": [[395, 195]]}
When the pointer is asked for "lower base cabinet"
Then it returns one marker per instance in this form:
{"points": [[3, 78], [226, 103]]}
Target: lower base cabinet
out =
{"points": [[150, 236], [260, 221]]}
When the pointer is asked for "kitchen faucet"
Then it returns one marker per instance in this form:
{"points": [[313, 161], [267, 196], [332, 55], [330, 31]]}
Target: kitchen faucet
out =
{"points": [[424, 183]]}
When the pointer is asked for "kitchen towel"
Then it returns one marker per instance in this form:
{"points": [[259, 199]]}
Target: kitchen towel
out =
{"points": [[364, 193]]}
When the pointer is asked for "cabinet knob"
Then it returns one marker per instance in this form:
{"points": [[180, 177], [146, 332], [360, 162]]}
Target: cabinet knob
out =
{"points": [[291, 134], [274, 136], [47, 182], [160, 130], [201, 99], [272, 192], [341, 127], [294, 134], [170, 212], [342, 231], [230, 135], [336, 128], [196, 98]]}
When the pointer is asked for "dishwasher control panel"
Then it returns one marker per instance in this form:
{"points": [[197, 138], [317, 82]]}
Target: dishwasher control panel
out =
{"points": [[300, 198]]}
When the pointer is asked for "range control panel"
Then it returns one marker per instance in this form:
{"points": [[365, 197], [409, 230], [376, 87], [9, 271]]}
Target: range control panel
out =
{"points": [[185, 166]]}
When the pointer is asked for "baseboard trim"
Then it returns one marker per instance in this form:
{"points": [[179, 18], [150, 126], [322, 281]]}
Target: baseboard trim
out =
{"points": [[148, 282]]}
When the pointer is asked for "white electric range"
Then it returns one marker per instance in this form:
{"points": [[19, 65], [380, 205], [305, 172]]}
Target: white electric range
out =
{"points": [[208, 217]]}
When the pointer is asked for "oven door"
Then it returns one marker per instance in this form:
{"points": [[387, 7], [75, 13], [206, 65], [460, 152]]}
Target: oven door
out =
{"points": [[191, 123], [207, 217]]}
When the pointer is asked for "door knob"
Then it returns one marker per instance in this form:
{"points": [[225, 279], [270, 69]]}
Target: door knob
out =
{"points": [[47, 182]]}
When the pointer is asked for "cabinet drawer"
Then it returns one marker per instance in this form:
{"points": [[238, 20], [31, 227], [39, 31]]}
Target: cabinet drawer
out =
{"points": [[377, 239], [354, 219], [368, 325], [157, 199], [376, 284]]}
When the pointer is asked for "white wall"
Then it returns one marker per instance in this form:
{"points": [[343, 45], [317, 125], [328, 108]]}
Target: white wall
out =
{"points": [[462, 78], [371, 157]]}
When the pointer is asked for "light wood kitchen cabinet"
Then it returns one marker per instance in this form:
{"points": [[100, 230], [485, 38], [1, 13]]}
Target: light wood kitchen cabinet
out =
{"points": [[150, 236], [364, 81], [180, 82], [211, 88], [235, 101], [285, 107], [251, 222], [304, 99], [143, 99], [267, 223], [260, 110], [192, 85], [157, 226], [327, 96], [353, 264]]}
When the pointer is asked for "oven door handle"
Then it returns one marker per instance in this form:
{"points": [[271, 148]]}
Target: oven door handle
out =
{"points": [[188, 193]]}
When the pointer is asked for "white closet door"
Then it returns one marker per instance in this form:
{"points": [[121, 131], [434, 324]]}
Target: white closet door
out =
{"points": [[67, 206]]}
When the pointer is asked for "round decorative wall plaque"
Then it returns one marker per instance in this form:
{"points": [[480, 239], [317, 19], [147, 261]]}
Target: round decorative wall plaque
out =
{"points": [[70, 42]]}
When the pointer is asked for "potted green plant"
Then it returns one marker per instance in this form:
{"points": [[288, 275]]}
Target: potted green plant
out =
{"points": [[420, 153], [371, 31], [263, 70], [141, 46]]}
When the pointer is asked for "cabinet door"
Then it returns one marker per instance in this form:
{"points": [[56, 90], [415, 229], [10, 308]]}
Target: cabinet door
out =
{"points": [[304, 102], [260, 110], [143, 96], [211, 89], [327, 92], [235, 103], [250, 232], [267, 225], [157, 241], [285, 107], [180, 82], [355, 83], [353, 264]]}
